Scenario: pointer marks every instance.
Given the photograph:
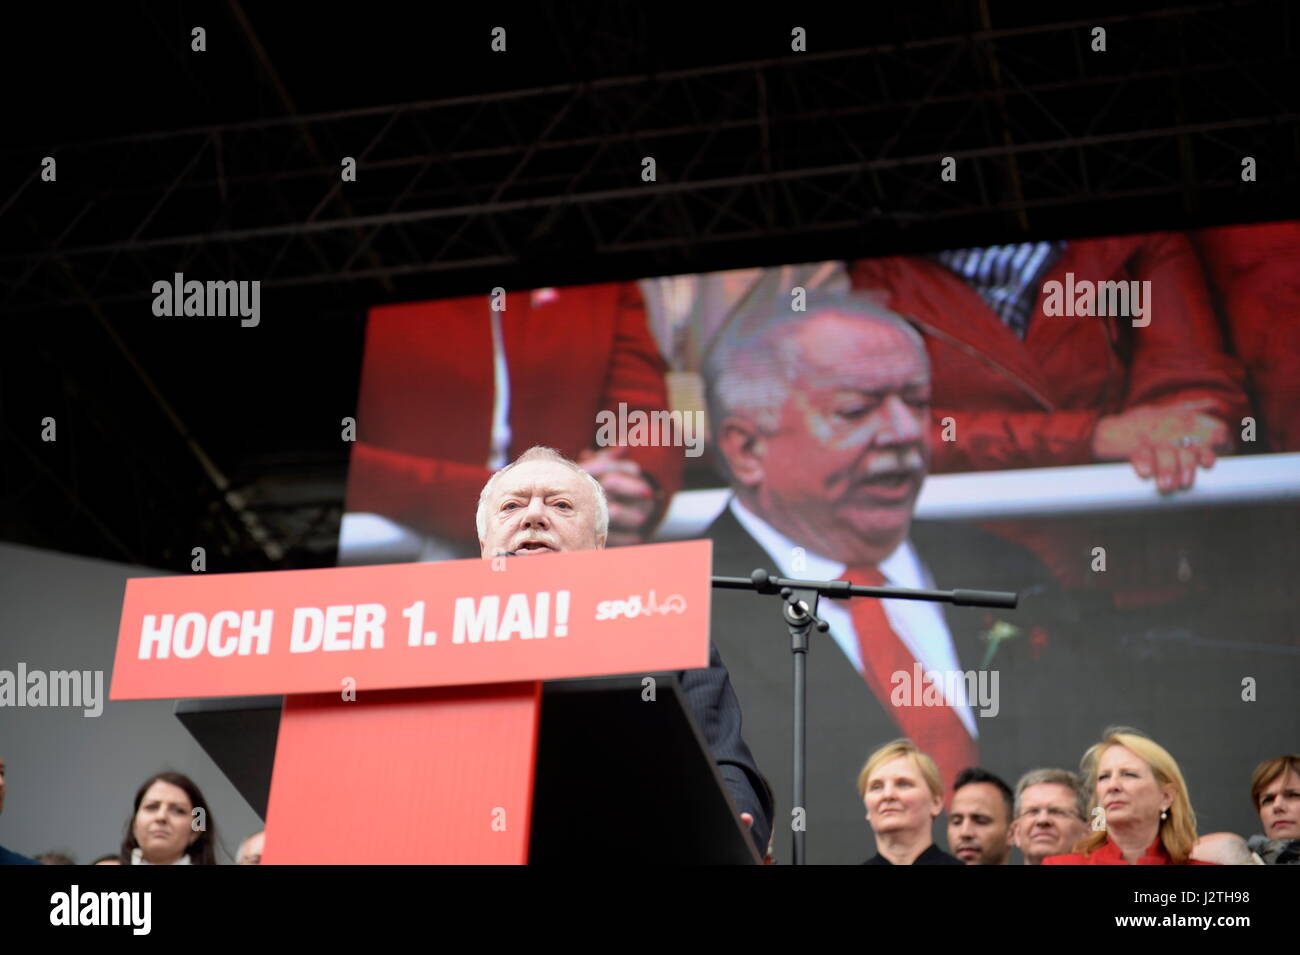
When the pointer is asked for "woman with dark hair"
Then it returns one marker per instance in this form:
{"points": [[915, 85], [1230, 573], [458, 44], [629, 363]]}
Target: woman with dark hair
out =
{"points": [[1275, 791], [163, 828]]}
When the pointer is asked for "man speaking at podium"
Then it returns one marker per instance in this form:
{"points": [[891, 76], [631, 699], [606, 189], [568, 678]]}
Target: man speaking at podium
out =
{"points": [[543, 503]]}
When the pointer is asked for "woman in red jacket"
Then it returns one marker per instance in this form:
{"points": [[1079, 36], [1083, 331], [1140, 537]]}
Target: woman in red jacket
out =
{"points": [[1041, 389], [1140, 810]]}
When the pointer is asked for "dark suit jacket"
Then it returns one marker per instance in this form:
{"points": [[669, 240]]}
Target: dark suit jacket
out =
{"points": [[845, 721], [8, 857], [931, 856], [717, 711]]}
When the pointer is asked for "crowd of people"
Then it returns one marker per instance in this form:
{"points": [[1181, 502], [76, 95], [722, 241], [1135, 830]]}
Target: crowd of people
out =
{"points": [[1129, 805], [1132, 805]]}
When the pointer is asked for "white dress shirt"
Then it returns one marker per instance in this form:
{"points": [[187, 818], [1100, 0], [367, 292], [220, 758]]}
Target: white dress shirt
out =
{"points": [[137, 858], [920, 624]]}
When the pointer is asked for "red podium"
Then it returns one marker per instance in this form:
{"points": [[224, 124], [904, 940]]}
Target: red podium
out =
{"points": [[413, 692]]}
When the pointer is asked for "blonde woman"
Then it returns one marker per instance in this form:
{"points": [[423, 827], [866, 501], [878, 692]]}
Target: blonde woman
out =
{"points": [[903, 794], [1139, 810]]}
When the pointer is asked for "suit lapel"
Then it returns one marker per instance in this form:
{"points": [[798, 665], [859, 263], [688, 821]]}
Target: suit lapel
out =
{"points": [[947, 557], [737, 554]]}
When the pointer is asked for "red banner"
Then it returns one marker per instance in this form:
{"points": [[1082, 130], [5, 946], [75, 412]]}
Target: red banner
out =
{"points": [[451, 623]]}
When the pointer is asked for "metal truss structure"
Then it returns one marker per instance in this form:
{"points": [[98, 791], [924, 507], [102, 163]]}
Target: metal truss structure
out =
{"points": [[831, 153]]}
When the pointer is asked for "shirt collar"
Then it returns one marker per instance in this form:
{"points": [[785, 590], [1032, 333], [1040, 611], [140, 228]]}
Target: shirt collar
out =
{"points": [[901, 568], [137, 858]]}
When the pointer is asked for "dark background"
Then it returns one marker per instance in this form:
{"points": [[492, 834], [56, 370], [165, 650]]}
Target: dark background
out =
{"points": [[521, 170]]}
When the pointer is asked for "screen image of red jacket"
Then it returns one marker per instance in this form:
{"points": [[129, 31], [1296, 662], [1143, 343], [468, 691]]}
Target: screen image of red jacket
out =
{"points": [[1254, 271], [1036, 402], [424, 413]]}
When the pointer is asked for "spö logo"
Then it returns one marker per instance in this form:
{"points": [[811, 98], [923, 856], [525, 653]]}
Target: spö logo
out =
{"points": [[634, 607]]}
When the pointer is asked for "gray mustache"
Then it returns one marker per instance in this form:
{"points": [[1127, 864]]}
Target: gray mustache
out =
{"points": [[910, 460]]}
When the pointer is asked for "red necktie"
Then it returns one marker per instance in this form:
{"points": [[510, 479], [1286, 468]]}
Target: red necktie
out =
{"points": [[936, 730]]}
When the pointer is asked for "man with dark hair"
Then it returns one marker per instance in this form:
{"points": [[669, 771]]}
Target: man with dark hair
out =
{"points": [[7, 857], [979, 823]]}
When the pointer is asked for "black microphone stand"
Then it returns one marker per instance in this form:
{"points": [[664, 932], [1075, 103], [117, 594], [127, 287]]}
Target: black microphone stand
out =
{"points": [[799, 610]]}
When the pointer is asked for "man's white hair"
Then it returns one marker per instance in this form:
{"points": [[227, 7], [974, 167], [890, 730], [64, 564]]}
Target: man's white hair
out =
{"points": [[756, 357], [535, 453]]}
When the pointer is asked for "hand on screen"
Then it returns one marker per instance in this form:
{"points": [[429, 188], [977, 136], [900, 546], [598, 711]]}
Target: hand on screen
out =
{"points": [[631, 497], [1166, 442]]}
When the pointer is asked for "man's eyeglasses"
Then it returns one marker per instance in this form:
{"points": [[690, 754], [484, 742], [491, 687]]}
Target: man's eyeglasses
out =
{"points": [[1054, 812]]}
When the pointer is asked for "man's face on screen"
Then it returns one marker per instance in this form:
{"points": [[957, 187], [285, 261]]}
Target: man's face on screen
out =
{"points": [[841, 473], [541, 507]]}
